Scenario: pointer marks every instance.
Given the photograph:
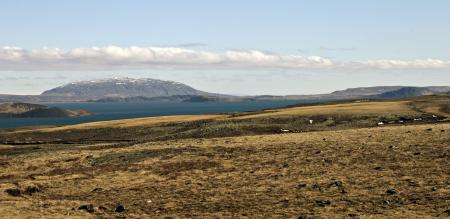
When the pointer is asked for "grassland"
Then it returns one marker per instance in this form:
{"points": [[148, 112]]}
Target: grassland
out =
{"points": [[237, 165]]}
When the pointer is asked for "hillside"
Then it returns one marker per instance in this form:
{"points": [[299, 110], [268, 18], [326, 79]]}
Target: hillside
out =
{"points": [[26, 110], [123, 87], [267, 164], [18, 108], [406, 92]]}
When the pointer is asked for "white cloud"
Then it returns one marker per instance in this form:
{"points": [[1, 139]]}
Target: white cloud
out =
{"points": [[113, 57]]}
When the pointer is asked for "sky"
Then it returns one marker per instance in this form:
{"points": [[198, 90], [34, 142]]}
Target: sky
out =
{"points": [[236, 47]]}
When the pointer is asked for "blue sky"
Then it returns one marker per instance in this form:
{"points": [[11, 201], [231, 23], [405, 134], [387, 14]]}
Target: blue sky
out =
{"points": [[403, 42]]}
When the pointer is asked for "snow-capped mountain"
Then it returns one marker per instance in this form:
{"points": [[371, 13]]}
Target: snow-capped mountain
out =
{"points": [[123, 87]]}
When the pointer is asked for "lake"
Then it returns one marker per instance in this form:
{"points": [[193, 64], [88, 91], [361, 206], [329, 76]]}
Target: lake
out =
{"points": [[114, 111]]}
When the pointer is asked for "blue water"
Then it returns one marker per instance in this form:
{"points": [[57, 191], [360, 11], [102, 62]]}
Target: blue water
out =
{"points": [[114, 111]]}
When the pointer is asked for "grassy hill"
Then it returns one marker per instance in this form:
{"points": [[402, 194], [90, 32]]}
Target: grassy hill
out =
{"points": [[268, 164], [27, 110]]}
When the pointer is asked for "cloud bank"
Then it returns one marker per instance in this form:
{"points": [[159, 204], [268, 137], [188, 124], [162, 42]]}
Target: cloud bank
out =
{"points": [[113, 57]]}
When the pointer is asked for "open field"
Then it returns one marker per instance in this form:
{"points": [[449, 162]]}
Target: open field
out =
{"points": [[238, 165]]}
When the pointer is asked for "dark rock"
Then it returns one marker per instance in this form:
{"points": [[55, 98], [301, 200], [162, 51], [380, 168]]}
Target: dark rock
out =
{"points": [[301, 185], [429, 129], [120, 208], [318, 152], [30, 190], [391, 191], [14, 192], [387, 202], [353, 215], [378, 168], [323, 203], [317, 187], [97, 189], [303, 216], [161, 210], [103, 208], [442, 130], [88, 208], [434, 189], [285, 202], [417, 153], [447, 212], [337, 183], [285, 165]]}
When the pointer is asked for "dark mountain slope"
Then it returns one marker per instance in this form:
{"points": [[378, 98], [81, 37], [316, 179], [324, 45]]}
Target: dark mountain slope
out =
{"points": [[123, 87]]}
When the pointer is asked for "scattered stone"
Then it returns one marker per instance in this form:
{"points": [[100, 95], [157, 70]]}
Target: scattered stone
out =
{"points": [[447, 212], [417, 153], [88, 208], [120, 208], [412, 183], [103, 208], [442, 130], [387, 202], [323, 203], [337, 184], [316, 187], [318, 152], [429, 129], [30, 190], [285, 202], [324, 139], [14, 192], [303, 216], [353, 215], [160, 210], [391, 192], [434, 189], [97, 189], [285, 165], [301, 185], [377, 168]]}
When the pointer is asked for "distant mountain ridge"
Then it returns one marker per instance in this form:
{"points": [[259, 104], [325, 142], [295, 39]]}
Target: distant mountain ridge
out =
{"points": [[392, 91], [146, 89], [123, 87], [406, 92]]}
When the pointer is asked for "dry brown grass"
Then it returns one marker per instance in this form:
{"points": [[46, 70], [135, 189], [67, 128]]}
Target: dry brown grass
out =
{"points": [[332, 174], [362, 108], [398, 171], [126, 123]]}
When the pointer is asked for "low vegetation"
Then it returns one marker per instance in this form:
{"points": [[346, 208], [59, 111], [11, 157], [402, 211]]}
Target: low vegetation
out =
{"points": [[318, 161]]}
